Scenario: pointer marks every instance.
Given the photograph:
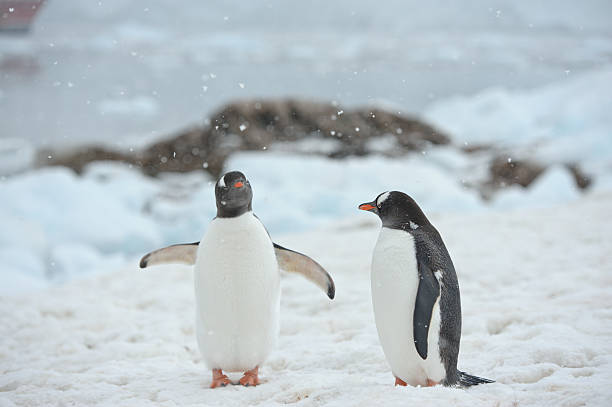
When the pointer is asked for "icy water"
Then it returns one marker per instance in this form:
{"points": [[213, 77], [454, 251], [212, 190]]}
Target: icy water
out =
{"points": [[125, 73]]}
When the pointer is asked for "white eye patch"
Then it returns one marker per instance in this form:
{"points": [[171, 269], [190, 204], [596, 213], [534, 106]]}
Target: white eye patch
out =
{"points": [[382, 198], [222, 182]]}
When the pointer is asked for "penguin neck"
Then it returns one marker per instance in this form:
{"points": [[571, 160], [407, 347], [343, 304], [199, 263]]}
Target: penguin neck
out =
{"points": [[225, 212], [405, 221]]}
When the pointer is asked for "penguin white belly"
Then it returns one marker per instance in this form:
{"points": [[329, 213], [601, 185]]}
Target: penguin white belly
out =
{"points": [[237, 287], [395, 281]]}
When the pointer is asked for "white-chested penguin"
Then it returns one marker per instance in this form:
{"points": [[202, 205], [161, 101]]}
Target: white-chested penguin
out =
{"points": [[415, 295], [237, 283]]}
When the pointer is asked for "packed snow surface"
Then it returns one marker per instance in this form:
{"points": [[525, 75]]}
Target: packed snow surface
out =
{"points": [[537, 316]]}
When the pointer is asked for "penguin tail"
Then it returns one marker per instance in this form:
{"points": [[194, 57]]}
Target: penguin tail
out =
{"points": [[467, 380]]}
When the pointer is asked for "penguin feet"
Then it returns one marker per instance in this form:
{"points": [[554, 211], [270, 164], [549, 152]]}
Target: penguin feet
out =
{"points": [[219, 379], [400, 382], [431, 383], [250, 377]]}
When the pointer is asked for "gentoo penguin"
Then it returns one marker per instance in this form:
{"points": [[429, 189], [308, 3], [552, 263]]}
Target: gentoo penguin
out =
{"points": [[237, 283], [415, 295]]}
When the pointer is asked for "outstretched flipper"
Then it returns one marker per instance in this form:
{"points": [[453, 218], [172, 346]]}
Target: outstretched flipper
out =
{"points": [[288, 260], [178, 253], [294, 262]]}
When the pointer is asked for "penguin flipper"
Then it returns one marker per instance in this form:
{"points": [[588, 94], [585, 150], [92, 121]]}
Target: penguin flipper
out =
{"points": [[427, 295], [178, 253], [294, 262]]}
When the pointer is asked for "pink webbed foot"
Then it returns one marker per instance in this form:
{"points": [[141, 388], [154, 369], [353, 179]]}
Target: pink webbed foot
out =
{"points": [[431, 383], [219, 379], [250, 377]]}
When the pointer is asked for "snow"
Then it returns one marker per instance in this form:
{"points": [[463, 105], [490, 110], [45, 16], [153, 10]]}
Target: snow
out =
{"points": [[15, 155], [553, 187], [536, 311], [567, 121]]}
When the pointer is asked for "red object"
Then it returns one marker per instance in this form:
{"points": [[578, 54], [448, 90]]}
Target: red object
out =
{"points": [[238, 184], [366, 207], [18, 15]]}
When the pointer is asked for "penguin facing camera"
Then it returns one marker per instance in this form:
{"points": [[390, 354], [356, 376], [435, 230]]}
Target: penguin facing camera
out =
{"points": [[237, 283], [415, 295]]}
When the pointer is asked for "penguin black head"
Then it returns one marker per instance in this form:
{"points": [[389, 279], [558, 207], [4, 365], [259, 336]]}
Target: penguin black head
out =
{"points": [[396, 210], [234, 195]]}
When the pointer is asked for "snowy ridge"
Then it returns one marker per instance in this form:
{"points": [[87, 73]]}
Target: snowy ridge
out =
{"points": [[536, 310]]}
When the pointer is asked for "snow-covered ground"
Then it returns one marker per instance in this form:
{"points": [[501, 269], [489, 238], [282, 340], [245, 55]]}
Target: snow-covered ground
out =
{"points": [[536, 305]]}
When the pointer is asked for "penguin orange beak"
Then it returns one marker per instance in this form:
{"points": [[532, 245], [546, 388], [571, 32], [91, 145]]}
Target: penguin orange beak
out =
{"points": [[368, 207], [238, 184]]}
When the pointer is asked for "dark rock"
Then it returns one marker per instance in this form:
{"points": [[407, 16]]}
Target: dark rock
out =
{"points": [[583, 181], [504, 172], [185, 152], [257, 125], [79, 158], [476, 148]]}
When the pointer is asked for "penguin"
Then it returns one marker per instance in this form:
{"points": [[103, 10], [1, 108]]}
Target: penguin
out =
{"points": [[237, 283], [415, 295]]}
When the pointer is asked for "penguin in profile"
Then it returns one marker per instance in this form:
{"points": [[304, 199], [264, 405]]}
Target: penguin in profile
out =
{"points": [[415, 295], [237, 283]]}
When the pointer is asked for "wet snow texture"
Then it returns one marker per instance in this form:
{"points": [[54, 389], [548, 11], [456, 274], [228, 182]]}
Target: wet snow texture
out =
{"points": [[536, 305]]}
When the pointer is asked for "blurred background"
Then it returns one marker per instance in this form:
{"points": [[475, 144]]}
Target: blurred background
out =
{"points": [[117, 117]]}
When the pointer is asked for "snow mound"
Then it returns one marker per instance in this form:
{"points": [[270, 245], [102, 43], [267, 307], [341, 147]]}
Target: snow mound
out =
{"points": [[566, 121], [552, 188], [296, 193]]}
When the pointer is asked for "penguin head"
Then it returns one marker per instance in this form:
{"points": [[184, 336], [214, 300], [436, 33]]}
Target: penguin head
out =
{"points": [[234, 195], [396, 210]]}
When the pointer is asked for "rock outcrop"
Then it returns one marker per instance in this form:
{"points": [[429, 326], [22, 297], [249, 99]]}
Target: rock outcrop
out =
{"points": [[259, 125]]}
